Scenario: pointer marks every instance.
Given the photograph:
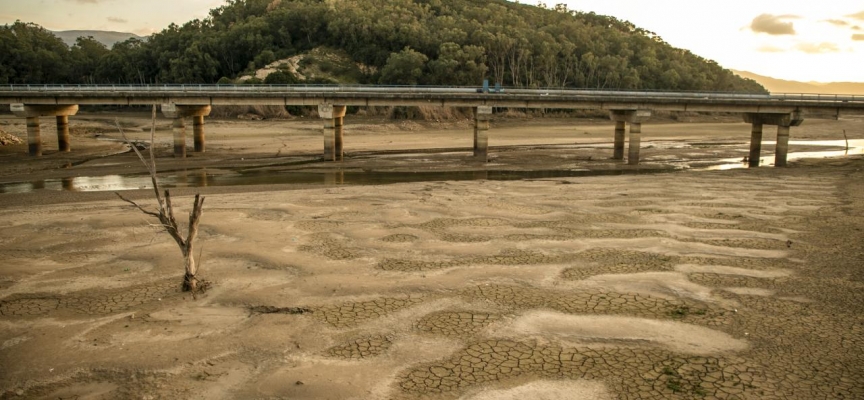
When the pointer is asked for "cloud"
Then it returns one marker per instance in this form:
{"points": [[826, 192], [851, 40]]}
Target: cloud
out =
{"points": [[837, 22], [859, 15], [818, 48], [773, 24], [117, 20], [858, 37], [770, 49]]}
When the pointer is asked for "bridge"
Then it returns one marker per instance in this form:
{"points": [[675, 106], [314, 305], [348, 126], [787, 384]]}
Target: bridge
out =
{"points": [[180, 102]]}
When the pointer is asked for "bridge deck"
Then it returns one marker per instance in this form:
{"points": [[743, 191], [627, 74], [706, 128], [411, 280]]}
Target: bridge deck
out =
{"points": [[810, 105]]}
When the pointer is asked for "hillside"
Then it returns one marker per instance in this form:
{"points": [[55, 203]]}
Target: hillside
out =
{"points": [[783, 86], [403, 42], [107, 38]]}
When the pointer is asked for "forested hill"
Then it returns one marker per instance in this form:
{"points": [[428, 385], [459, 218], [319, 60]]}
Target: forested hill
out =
{"points": [[429, 42]]}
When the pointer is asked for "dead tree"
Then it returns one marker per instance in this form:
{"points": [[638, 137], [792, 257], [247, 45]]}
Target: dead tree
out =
{"points": [[165, 215]]}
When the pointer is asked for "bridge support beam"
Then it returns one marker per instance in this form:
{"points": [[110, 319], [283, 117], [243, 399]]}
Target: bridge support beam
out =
{"points": [[179, 130], [620, 134], [179, 113], [482, 116], [63, 133], [334, 121], [34, 131], [635, 143], [198, 132], [635, 119], [784, 122], [755, 145]]}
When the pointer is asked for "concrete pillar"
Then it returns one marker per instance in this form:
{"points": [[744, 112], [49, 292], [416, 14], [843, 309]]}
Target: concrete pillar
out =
{"points": [[333, 117], [635, 143], [783, 121], [179, 111], [782, 146], [482, 115], [34, 137], [755, 145], [330, 139], [620, 133], [63, 133], [198, 132], [32, 112], [179, 128], [338, 131], [635, 119]]}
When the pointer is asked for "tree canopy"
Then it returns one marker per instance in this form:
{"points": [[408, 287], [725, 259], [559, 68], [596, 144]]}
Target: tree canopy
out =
{"points": [[440, 42]]}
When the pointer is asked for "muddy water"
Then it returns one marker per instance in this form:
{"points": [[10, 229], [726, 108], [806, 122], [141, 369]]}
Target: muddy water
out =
{"points": [[204, 178]]}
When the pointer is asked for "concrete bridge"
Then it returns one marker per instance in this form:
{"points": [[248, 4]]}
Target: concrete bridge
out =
{"points": [[180, 102]]}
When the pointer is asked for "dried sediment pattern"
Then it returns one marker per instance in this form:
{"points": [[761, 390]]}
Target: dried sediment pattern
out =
{"points": [[646, 373], [604, 261], [400, 238], [453, 323], [351, 314], [507, 257], [361, 348], [318, 225], [616, 261], [90, 302], [325, 245], [596, 301], [743, 226]]}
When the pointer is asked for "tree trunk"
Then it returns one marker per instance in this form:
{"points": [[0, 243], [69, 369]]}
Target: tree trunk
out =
{"points": [[190, 280]]}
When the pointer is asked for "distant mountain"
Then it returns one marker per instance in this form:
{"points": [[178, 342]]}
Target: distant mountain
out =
{"points": [[782, 86], [108, 38]]}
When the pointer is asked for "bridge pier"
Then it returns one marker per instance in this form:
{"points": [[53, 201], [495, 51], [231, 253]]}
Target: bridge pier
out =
{"points": [[198, 132], [334, 120], [635, 119], [179, 130], [755, 145], [179, 113], [620, 134], [482, 115], [635, 143], [34, 131], [784, 122]]}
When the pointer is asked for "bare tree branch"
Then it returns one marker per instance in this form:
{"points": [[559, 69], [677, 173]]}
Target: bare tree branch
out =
{"points": [[136, 205]]}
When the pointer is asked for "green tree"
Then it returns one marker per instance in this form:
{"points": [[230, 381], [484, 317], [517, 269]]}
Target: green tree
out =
{"points": [[85, 57], [280, 78], [458, 65], [404, 68]]}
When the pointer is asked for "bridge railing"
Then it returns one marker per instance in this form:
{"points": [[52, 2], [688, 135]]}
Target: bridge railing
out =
{"points": [[452, 90]]}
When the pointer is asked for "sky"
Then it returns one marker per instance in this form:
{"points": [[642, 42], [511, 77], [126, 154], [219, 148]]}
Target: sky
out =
{"points": [[786, 39]]}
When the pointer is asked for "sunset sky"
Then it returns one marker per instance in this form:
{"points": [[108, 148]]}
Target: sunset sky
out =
{"points": [[786, 39]]}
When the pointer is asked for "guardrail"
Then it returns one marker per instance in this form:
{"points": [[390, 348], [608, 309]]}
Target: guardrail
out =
{"points": [[440, 90]]}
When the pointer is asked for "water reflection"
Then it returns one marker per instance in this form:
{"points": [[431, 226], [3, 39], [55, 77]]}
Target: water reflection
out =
{"points": [[856, 147], [274, 175]]}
